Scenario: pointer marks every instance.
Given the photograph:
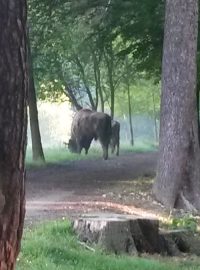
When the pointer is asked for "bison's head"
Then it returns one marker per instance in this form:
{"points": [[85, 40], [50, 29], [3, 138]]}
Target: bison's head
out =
{"points": [[72, 146]]}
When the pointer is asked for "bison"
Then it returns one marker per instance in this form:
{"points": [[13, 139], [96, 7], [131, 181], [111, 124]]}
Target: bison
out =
{"points": [[115, 137], [88, 125]]}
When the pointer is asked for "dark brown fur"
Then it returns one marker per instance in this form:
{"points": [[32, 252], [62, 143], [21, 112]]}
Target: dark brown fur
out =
{"points": [[88, 125]]}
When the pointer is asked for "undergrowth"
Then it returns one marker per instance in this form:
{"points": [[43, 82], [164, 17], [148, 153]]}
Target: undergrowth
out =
{"points": [[54, 246], [57, 155]]}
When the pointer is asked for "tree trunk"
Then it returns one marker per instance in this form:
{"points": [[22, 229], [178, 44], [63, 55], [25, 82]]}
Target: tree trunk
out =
{"points": [[109, 58], [130, 114], [97, 75], [112, 88], [69, 93], [197, 93], [101, 99], [112, 96], [37, 151], [13, 123], [89, 94], [178, 175]]}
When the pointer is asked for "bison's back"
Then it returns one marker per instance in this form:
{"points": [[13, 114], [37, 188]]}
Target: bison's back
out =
{"points": [[87, 123], [101, 125], [80, 123]]}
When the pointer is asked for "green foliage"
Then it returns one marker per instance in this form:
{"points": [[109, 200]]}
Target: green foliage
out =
{"points": [[53, 246], [187, 222], [65, 36], [145, 98], [51, 91], [140, 23]]}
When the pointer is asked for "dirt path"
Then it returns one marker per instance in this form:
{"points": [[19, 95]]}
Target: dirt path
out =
{"points": [[121, 184]]}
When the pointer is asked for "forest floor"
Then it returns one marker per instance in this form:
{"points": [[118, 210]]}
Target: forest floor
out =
{"points": [[119, 185]]}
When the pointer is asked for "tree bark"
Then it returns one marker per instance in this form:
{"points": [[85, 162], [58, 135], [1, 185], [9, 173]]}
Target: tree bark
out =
{"points": [[109, 57], [120, 234], [178, 175], [69, 93], [130, 114], [197, 93], [37, 150], [13, 123], [82, 72], [97, 75]]}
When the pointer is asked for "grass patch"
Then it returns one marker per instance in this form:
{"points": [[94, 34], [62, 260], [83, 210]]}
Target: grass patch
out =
{"points": [[139, 146], [57, 155], [53, 246]]}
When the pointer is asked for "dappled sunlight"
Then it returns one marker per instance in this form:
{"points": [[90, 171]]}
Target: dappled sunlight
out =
{"points": [[55, 123]]}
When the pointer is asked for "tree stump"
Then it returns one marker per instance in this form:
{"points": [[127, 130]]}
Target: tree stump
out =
{"points": [[120, 233]]}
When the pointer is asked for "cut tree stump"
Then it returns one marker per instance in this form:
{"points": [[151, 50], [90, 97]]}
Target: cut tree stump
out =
{"points": [[134, 235], [120, 233]]}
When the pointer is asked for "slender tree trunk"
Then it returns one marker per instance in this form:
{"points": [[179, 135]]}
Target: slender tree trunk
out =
{"points": [[97, 74], [112, 88], [130, 114], [13, 123], [178, 175], [101, 98], [96, 80], [112, 96], [109, 58], [37, 151], [89, 94], [69, 93]]}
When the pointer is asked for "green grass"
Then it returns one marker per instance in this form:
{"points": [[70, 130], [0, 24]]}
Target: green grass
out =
{"points": [[57, 155], [53, 246]]}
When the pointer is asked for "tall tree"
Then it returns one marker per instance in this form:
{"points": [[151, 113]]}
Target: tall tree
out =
{"points": [[13, 118], [127, 77], [37, 150], [178, 175]]}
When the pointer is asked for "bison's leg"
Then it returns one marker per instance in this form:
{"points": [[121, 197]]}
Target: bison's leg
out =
{"points": [[105, 149], [112, 148], [86, 151], [79, 148], [117, 153], [105, 152]]}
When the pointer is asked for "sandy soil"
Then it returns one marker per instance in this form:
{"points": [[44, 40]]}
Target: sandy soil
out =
{"points": [[120, 184]]}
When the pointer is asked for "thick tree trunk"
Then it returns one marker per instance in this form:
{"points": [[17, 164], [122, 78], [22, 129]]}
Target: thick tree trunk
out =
{"points": [[13, 122], [37, 151], [178, 175], [197, 93]]}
